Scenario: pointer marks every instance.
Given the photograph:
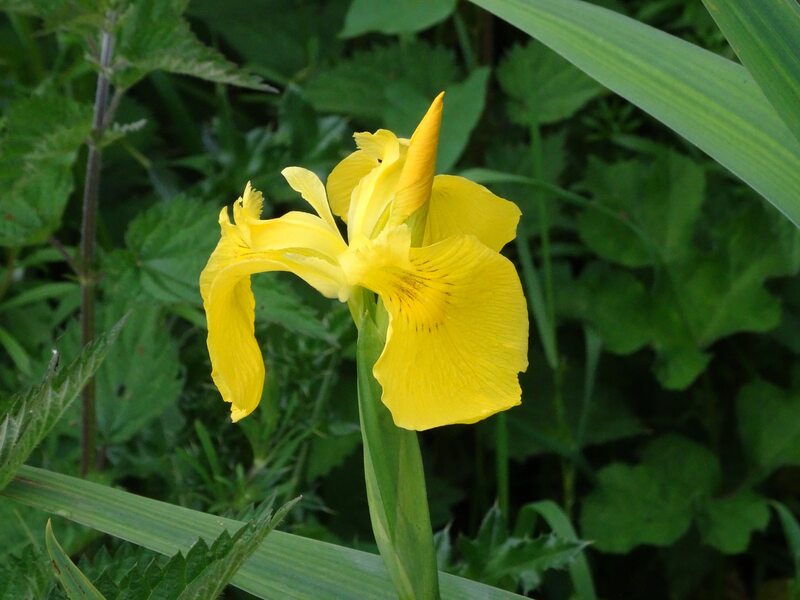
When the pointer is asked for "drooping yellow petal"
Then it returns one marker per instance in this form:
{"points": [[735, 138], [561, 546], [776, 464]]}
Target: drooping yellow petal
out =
{"points": [[345, 177], [380, 145], [298, 242], [414, 187], [460, 206], [458, 330]]}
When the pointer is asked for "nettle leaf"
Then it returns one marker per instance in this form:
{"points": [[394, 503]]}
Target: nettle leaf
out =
{"points": [[142, 375], [154, 36], [80, 16], [652, 502], [403, 16], [728, 522], [37, 151], [543, 87], [497, 558], [167, 248], [25, 575], [769, 425], [662, 198], [278, 303], [27, 419], [385, 85]]}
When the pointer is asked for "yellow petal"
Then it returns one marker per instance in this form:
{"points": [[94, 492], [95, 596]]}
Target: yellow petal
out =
{"points": [[345, 177], [308, 185], [460, 206], [414, 187], [371, 200], [382, 145], [458, 332]]}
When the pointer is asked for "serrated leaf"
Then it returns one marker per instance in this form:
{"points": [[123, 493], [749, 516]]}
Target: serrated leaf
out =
{"points": [[33, 415], [728, 522], [543, 87], [167, 247], [79, 16], [74, 582], [25, 576], [652, 502], [37, 150], [154, 36], [400, 16], [497, 558], [244, 542]]}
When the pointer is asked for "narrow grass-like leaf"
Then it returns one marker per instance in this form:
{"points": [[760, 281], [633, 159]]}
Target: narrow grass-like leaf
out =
{"points": [[711, 101], [75, 583], [791, 530], [766, 38], [285, 567], [30, 417]]}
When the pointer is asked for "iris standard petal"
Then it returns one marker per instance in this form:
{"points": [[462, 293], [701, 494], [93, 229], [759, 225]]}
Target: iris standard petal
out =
{"points": [[460, 206], [345, 177], [458, 329], [309, 186]]}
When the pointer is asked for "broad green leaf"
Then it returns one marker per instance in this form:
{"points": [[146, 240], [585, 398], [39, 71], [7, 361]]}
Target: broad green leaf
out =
{"points": [[37, 150], [728, 522], [287, 42], [285, 567], [398, 503], [652, 502], [543, 87], [613, 302], [769, 425], [711, 101], [30, 417], [154, 36], [74, 582], [400, 16], [169, 245], [358, 86], [662, 198], [766, 37], [141, 377]]}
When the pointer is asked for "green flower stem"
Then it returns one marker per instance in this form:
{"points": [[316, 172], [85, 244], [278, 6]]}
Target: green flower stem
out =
{"points": [[398, 504], [501, 458], [88, 234], [537, 168]]}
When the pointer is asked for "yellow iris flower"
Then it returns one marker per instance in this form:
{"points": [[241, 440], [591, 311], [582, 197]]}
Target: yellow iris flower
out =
{"points": [[427, 245]]}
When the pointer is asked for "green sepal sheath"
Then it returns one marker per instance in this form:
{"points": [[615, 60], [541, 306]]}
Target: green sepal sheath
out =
{"points": [[398, 504]]}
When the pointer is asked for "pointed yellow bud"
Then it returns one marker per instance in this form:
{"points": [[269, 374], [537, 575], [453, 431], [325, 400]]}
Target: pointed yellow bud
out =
{"points": [[416, 180]]}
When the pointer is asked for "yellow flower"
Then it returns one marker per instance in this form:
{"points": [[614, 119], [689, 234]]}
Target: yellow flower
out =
{"points": [[427, 245]]}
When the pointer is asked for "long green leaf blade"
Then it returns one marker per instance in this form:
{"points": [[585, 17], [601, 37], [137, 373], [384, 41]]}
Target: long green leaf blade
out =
{"points": [[285, 567], [766, 38], [711, 101], [75, 583]]}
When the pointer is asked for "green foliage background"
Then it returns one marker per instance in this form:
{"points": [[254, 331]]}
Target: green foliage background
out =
{"points": [[672, 415]]}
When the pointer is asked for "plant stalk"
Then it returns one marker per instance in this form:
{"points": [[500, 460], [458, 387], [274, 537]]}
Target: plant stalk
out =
{"points": [[88, 277]]}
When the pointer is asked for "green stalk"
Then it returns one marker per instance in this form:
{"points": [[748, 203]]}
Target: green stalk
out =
{"points": [[88, 233], [537, 168], [398, 504], [501, 456]]}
